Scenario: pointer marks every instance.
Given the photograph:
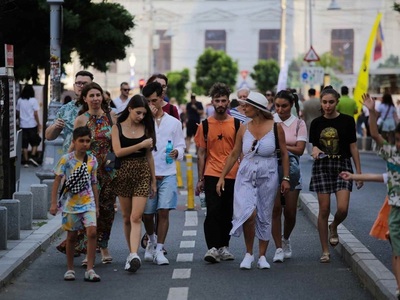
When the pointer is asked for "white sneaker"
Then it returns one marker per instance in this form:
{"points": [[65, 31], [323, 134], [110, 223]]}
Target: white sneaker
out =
{"points": [[279, 256], [287, 249], [160, 259], [149, 252], [262, 263], [247, 262], [133, 263], [224, 253], [212, 255]]}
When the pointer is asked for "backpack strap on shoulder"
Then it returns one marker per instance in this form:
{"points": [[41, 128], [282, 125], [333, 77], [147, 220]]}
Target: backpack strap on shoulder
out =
{"points": [[205, 129]]}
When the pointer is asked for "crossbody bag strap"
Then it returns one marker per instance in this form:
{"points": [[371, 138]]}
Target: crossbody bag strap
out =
{"points": [[387, 112], [85, 159]]}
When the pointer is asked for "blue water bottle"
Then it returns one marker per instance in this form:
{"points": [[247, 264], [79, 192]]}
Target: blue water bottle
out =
{"points": [[168, 150]]}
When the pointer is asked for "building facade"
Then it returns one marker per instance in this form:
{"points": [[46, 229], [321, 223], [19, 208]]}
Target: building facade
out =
{"points": [[170, 35]]}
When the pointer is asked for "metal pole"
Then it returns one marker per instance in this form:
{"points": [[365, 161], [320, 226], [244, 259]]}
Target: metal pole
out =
{"points": [[310, 15], [283, 35], [189, 178], [151, 34]]}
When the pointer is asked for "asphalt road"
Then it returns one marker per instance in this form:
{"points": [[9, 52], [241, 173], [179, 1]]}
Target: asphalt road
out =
{"points": [[301, 277]]}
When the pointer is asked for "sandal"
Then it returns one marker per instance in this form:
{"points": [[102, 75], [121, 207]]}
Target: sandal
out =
{"points": [[325, 258], [69, 275], [84, 262], [106, 260], [333, 237], [91, 276]]}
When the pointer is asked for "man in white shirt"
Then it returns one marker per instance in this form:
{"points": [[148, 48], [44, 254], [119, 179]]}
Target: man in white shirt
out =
{"points": [[167, 129], [122, 101]]}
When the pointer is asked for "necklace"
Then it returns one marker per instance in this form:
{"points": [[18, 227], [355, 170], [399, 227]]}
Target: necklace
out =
{"points": [[159, 119]]}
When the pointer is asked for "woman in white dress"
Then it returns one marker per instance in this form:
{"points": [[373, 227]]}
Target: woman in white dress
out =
{"points": [[257, 179]]}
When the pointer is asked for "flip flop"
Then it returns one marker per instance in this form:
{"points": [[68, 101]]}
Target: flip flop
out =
{"points": [[333, 237]]}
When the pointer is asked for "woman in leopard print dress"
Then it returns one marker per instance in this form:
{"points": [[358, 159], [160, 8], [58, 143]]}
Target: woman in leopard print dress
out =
{"points": [[133, 140]]}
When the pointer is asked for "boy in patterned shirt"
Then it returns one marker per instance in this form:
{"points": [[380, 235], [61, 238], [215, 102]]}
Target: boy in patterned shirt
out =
{"points": [[80, 209], [391, 154]]}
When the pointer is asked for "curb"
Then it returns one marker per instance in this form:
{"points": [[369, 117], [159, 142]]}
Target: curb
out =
{"points": [[378, 280], [17, 259]]}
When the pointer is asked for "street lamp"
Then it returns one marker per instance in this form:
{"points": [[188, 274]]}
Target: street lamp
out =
{"points": [[333, 5]]}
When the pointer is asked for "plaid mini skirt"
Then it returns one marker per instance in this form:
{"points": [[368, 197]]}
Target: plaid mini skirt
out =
{"points": [[325, 177]]}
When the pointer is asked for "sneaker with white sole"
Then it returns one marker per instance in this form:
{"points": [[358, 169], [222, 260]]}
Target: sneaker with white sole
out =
{"points": [[149, 252], [160, 259], [279, 256], [262, 263], [212, 256], [133, 263], [224, 254], [287, 249], [247, 262]]}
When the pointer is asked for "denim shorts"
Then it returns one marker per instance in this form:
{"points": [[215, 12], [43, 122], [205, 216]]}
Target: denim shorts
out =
{"points": [[166, 196], [75, 222]]}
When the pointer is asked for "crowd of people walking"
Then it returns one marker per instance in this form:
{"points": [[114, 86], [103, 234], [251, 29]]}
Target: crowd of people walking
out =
{"points": [[248, 153]]}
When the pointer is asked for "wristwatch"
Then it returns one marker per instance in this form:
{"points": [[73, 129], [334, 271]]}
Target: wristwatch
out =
{"points": [[286, 178]]}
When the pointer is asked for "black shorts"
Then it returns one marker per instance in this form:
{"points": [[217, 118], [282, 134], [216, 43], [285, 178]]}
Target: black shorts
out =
{"points": [[31, 137], [191, 128]]}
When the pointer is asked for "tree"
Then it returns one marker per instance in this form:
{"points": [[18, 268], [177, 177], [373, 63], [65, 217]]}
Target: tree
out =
{"points": [[215, 66], [266, 74], [96, 31], [396, 7], [391, 62], [177, 81]]}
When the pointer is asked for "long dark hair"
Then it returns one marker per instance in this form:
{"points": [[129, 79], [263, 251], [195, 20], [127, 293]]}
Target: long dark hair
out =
{"points": [[387, 99], [93, 85], [148, 120], [27, 92]]}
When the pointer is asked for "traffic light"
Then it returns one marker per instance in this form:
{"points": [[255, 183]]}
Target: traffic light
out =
{"points": [[141, 84]]}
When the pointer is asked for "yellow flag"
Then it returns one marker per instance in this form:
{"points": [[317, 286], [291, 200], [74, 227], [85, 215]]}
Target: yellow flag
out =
{"points": [[362, 80]]}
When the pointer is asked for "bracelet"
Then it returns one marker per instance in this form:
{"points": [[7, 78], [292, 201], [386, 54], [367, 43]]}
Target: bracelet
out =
{"points": [[286, 178], [202, 179]]}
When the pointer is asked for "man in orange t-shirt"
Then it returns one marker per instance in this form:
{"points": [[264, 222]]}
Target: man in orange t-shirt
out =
{"points": [[211, 160]]}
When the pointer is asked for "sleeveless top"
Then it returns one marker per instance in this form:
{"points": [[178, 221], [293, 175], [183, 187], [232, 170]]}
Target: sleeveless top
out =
{"points": [[127, 142], [100, 128]]}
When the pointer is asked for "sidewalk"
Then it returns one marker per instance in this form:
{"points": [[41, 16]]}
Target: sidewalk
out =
{"points": [[372, 273], [20, 253]]}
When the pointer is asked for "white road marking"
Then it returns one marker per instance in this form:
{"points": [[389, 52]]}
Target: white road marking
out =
{"points": [[187, 244], [178, 293], [184, 257], [181, 273], [189, 233], [191, 218]]}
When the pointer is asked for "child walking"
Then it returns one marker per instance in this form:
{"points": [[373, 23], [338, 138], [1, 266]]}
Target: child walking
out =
{"points": [[391, 154], [81, 199]]}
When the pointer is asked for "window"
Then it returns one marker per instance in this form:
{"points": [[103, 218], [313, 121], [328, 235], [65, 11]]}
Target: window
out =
{"points": [[162, 55], [268, 45], [216, 39], [342, 46]]}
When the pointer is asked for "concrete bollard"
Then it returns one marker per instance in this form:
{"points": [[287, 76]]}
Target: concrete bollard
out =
{"points": [[49, 183], [13, 218], [26, 209], [39, 192], [3, 228]]}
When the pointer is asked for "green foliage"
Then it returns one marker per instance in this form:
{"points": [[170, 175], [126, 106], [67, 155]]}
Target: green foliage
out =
{"points": [[215, 66], [266, 74], [396, 7], [177, 81], [328, 61], [391, 62], [97, 31]]}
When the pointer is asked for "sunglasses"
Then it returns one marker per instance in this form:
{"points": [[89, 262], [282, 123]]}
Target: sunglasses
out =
{"points": [[126, 90], [268, 95], [253, 146], [80, 83]]}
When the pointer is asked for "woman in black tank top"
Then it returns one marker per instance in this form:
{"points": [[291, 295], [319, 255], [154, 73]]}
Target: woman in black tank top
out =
{"points": [[133, 139]]}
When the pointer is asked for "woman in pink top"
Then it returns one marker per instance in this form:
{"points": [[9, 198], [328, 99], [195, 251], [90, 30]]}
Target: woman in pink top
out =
{"points": [[296, 137]]}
